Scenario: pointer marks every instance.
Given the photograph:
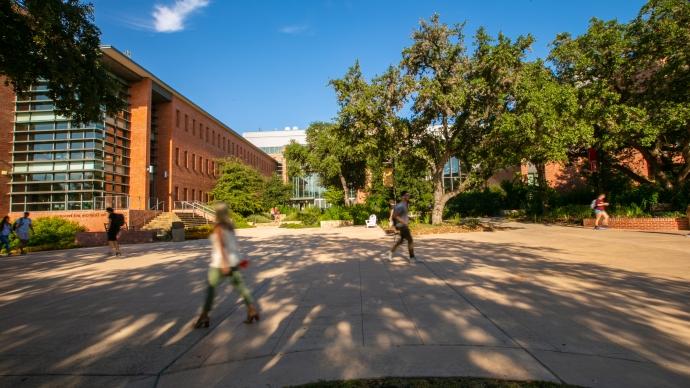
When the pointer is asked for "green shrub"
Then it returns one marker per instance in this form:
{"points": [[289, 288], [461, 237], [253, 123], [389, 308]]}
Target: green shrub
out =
{"points": [[198, 232], [487, 202], [574, 213], [297, 226], [335, 213], [52, 233], [309, 216], [259, 219], [360, 213]]}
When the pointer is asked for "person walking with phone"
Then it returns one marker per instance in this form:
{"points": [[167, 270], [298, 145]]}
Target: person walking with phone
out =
{"points": [[225, 264]]}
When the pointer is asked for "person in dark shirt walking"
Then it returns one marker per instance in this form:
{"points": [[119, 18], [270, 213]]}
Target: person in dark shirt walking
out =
{"points": [[401, 221], [115, 223]]}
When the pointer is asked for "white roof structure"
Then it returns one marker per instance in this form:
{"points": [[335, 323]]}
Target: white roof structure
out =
{"points": [[276, 138]]}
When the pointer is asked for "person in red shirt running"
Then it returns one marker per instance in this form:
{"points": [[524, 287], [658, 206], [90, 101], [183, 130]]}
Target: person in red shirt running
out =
{"points": [[600, 205]]}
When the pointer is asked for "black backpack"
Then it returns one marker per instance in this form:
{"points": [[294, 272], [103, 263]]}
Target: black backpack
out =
{"points": [[118, 220]]}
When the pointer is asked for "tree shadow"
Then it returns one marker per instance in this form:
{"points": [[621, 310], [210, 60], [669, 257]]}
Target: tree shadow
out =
{"points": [[327, 294]]}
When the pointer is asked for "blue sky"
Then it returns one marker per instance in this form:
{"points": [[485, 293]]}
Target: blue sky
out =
{"points": [[266, 64]]}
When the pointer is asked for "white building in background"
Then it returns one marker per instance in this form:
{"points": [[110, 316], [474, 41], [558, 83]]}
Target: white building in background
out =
{"points": [[304, 190]]}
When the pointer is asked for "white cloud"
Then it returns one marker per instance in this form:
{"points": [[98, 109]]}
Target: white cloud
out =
{"points": [[172, 18], [294, 29]]}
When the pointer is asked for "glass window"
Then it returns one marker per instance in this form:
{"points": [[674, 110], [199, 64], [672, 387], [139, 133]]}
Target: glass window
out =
{"points": [[42, 126], [57, 206], [61, 155], [42, 146], [77, 145], [61, 146], [76, 166], [60, 166], [61, 135], [42, 156], [41, 97], [60, 186], [23, 107], [60, 176], [75, 186], [42, 136], [77, 135], [74, 205], [40, 86], [42, 106]]}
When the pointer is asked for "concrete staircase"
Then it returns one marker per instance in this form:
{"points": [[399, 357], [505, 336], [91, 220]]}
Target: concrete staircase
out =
{"points": [[162, 222], [191, 220]]}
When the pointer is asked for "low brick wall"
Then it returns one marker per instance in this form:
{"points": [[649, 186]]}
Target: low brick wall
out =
{"points": [[94, 239], [680, 223], [94, 220]]}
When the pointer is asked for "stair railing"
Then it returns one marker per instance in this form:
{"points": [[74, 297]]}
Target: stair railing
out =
{"points": [[197, 208]]}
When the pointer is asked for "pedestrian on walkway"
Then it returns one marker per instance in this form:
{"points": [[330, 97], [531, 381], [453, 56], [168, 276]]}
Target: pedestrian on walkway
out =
{"points": [[115, 223], [599, 205], [21, 228], [5, 231], [401, 221], [225, 264]]}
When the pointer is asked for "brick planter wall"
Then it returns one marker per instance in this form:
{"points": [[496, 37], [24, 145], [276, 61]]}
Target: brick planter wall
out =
{"points": [[643, 223], [94, 220], [94, 239]]}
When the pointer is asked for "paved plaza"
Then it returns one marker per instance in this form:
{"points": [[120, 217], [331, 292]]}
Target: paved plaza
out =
{"points": [[529, 302]]}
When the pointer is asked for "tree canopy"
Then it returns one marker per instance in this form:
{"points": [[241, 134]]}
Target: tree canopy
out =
{"points": [[633, 84], [57, 41]]}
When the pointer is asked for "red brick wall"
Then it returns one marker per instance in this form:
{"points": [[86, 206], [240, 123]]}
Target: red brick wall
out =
{"points": [[6, 126], [140, 108], [94, 220], [94, 239], [164, 155], [644, 223], [197, 144]]}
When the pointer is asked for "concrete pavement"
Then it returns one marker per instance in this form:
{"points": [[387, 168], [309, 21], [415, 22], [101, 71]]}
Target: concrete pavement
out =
{"points": [[603, 309]]}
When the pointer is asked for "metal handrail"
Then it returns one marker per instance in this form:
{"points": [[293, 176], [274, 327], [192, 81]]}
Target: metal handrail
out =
{"points": [[195, 205]]}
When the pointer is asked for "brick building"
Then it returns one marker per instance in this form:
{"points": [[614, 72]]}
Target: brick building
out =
{"points": [[163, 148]]}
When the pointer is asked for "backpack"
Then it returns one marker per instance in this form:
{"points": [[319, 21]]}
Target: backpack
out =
{"points": [[18, 224], [118, 220], [593, 205]]}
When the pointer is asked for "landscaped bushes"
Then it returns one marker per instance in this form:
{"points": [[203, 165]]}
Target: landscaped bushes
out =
{"points": [[51, 233]]}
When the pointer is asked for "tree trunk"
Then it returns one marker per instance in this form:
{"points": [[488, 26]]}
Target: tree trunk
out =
{"points": [[346, 194], [542, 186], [439, 202]]}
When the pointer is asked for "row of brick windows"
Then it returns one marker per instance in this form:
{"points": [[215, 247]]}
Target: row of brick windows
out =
{"points": [[196, 163], [223, 143], [186, 194]]}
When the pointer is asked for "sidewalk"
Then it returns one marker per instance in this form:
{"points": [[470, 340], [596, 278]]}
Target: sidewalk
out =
{"points": [[531, 302]]}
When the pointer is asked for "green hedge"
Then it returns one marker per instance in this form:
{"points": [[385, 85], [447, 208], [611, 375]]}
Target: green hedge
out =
{"points": [[51, 233]]}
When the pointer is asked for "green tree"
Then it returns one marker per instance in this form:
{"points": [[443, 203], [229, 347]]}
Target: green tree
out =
{"points": [[337, 161], [276, 193], [542, 123], [297, 159], [456, 99], [57, 41], [633, 83], [240, 187]]}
